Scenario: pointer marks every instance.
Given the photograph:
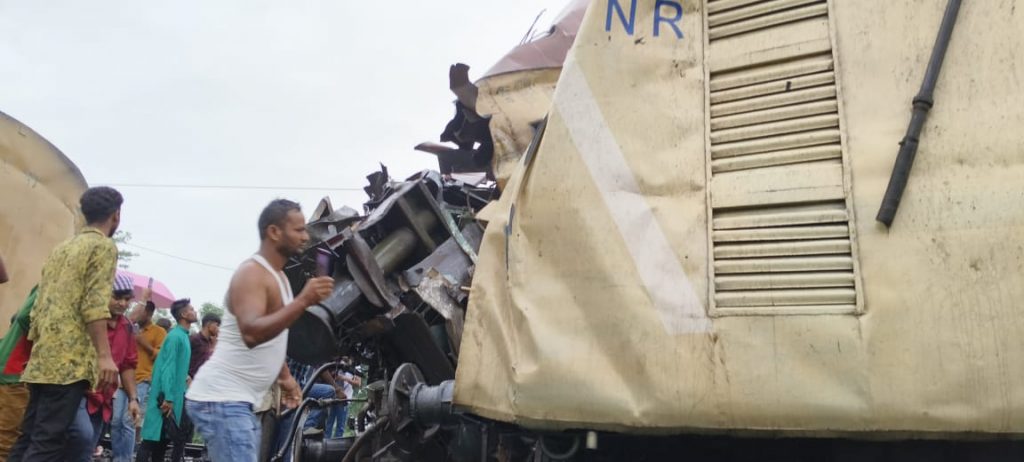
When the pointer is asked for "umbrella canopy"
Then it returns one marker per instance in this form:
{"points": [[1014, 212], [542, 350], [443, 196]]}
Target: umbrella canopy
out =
{"points": [[162, 296]]}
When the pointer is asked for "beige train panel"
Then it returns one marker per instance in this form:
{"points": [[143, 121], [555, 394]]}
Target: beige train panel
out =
{"points": [[762, 22], [39, 192], [781, 216], [783, 127], [932, 345], [778, 249], [780, 234], [769, 159], [757, 9], [783, 265], [810, 182], [775, 87], [774, 298], [784, 280]]}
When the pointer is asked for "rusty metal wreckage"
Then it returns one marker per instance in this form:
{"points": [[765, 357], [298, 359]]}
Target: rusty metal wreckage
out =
{"points": [[402, 273]]}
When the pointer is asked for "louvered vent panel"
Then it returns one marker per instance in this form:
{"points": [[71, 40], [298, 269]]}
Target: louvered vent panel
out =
{"points": [[780, 222]]}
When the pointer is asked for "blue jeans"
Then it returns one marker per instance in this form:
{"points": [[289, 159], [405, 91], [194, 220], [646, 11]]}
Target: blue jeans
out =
{"points": [[142, 389], [122, 429], [83, 434], [230, 429]]}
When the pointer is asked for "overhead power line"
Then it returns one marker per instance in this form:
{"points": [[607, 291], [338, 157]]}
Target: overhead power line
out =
{"points": [[224, 186], [197, 262]]}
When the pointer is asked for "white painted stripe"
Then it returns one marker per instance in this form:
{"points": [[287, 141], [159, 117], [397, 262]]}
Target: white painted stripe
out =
{"points": [[660, 270]]}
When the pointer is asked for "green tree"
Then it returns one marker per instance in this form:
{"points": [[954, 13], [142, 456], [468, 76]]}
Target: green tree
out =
{"points": [[124, 256], [208, 308]]}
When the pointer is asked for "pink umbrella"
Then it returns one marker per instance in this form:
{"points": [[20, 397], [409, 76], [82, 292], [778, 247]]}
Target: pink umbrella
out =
{"points": [[162, 296]]}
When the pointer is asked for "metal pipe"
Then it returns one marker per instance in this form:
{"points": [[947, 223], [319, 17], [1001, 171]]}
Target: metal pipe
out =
{"points": [[922, 103], [402, 242]]}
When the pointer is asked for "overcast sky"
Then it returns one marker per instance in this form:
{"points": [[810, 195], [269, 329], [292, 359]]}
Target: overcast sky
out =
{"points": [[241, 92]]}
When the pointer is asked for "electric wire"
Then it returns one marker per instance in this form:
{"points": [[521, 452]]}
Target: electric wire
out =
{"points": [[197, 262], [221, 186]]}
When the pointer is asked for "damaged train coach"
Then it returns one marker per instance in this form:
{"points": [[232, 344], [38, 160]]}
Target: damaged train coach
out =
{"points": [[689, 259]]}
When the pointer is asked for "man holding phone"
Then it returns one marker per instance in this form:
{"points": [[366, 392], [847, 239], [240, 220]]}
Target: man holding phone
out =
{"points": [[253, 339]]}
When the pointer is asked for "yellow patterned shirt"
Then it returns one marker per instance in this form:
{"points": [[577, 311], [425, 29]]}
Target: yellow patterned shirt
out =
{"points": [[74, 291]]}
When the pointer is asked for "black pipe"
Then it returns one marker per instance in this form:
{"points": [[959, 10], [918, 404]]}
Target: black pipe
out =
{"points": [[922, 103]]}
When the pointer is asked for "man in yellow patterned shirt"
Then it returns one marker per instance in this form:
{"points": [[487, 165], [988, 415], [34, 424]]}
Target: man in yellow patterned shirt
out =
{"points": [[68, 329]]}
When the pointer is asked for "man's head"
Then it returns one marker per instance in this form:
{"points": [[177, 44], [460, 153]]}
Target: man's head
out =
{"points": [[164, 323], [182, 311], [283, 227], [211, 324], [102, 208], [122, 294]]}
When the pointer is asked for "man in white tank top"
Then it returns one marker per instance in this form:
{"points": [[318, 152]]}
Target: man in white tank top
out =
{"points": [[253, 339]]}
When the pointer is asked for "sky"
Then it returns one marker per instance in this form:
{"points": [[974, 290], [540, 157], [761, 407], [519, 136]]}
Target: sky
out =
{"points": [[253, 93]]}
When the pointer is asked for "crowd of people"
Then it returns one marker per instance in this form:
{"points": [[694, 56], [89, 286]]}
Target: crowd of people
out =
{"points": [[83, 355]]}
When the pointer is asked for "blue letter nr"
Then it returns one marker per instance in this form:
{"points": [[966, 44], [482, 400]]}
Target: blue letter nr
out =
{"points": [[613, 5], [659, 19]]}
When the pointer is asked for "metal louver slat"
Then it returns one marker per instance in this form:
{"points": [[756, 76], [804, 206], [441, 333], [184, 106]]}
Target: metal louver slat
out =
{"points": [[778, 143], [775, 249], [762, 22], [786, 297], [771, 101], [761, 75], [786, 233], [775, 128], [783, 265], [780, 216], [784, 280], [769, 88], [775, 115], [771, 159], [755, 9]]}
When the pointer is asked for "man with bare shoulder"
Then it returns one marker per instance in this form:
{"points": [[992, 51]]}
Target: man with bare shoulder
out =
{"points": [[253, 339]]}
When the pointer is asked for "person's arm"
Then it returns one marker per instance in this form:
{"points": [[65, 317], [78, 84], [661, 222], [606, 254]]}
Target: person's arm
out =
{"points": [[108, 370], [3, 272], [249, 298], [291, 393], [97, 277], [141, 343], [128, 381], [330, 379]]}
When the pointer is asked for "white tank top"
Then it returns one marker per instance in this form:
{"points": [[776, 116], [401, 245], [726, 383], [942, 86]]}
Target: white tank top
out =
{"points": [[236, 372]]}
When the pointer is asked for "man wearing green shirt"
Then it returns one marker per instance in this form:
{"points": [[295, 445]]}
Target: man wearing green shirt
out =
{"points": [[167, 395], [68, 330]]}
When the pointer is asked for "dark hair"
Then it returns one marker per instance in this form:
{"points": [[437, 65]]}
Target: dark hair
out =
{"points": [[164, 322], [100, 203], [178, 306], [210, 317], [274, 214], [150, 307]]}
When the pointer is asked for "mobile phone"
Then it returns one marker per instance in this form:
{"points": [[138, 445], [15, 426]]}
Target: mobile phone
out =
{"points": [[323, 262]]}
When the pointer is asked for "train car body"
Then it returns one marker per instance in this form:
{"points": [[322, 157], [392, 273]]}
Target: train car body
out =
{"points": [[691, 246]]}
